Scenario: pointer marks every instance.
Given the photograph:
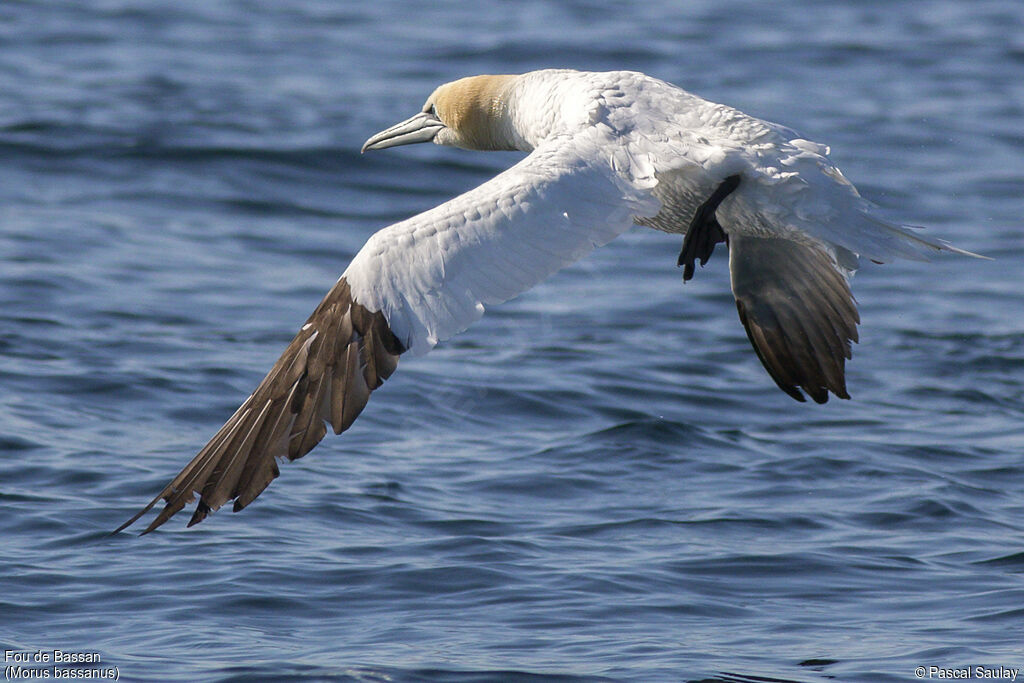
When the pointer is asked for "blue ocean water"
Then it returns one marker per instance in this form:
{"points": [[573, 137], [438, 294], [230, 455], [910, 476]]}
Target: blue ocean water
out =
{"points": [[597, 481]]}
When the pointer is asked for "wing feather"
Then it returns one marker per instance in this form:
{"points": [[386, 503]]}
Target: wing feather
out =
{"points": [[795, 303], [327, 372]]}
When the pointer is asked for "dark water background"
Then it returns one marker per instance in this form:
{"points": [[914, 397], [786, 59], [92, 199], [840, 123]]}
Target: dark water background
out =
{"points": [[596, 482]]}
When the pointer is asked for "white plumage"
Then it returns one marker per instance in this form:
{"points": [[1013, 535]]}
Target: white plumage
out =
{"points": [[606, 151], [598, 143], [432, 274]]}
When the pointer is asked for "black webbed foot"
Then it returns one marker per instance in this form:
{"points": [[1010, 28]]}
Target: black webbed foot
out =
{"points": [[704, 231]]}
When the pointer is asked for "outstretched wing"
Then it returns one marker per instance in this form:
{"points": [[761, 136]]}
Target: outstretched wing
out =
{"points": [[412, 284], [432, 274], [340, 355]]}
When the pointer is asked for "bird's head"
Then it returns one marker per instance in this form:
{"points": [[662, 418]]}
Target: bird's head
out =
{"points": [[471, 113]]}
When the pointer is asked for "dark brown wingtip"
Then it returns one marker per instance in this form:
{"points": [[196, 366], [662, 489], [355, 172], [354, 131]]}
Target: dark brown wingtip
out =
{"points": [[135, 518], [340, 355], [201, 512], [149, 506], [778, 368], [798, 312]]}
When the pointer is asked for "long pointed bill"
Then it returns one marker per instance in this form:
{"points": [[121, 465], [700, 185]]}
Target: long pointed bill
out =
{"points": [[420, 128]]}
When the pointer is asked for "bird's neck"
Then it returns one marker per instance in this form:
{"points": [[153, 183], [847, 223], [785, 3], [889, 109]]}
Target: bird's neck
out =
{"points": [[546, 104]]}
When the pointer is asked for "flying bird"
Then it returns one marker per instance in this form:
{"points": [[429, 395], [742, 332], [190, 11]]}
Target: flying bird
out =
{"points": [[605, 152]]}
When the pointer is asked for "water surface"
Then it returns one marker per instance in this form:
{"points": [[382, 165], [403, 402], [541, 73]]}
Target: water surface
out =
{"points": [[597, 481]]}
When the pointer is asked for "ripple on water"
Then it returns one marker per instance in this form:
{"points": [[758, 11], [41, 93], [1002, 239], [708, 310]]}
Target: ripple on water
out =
{"points": [[598, 481]]}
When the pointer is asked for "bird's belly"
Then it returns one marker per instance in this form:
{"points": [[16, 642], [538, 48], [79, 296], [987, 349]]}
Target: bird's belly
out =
{"points": [[680, 196]]}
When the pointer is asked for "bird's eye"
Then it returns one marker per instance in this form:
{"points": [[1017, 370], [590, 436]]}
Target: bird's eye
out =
{"points": [[433, 110]]}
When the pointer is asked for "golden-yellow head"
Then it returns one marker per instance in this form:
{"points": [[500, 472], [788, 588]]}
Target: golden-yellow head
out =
{"points": [[471, 113]]}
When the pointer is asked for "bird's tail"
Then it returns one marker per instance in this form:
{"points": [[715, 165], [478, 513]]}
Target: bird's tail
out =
{"points": [[881, 240]]}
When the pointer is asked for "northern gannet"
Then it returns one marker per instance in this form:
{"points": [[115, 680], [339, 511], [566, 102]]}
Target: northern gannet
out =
{"points": [[606, 151]]}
